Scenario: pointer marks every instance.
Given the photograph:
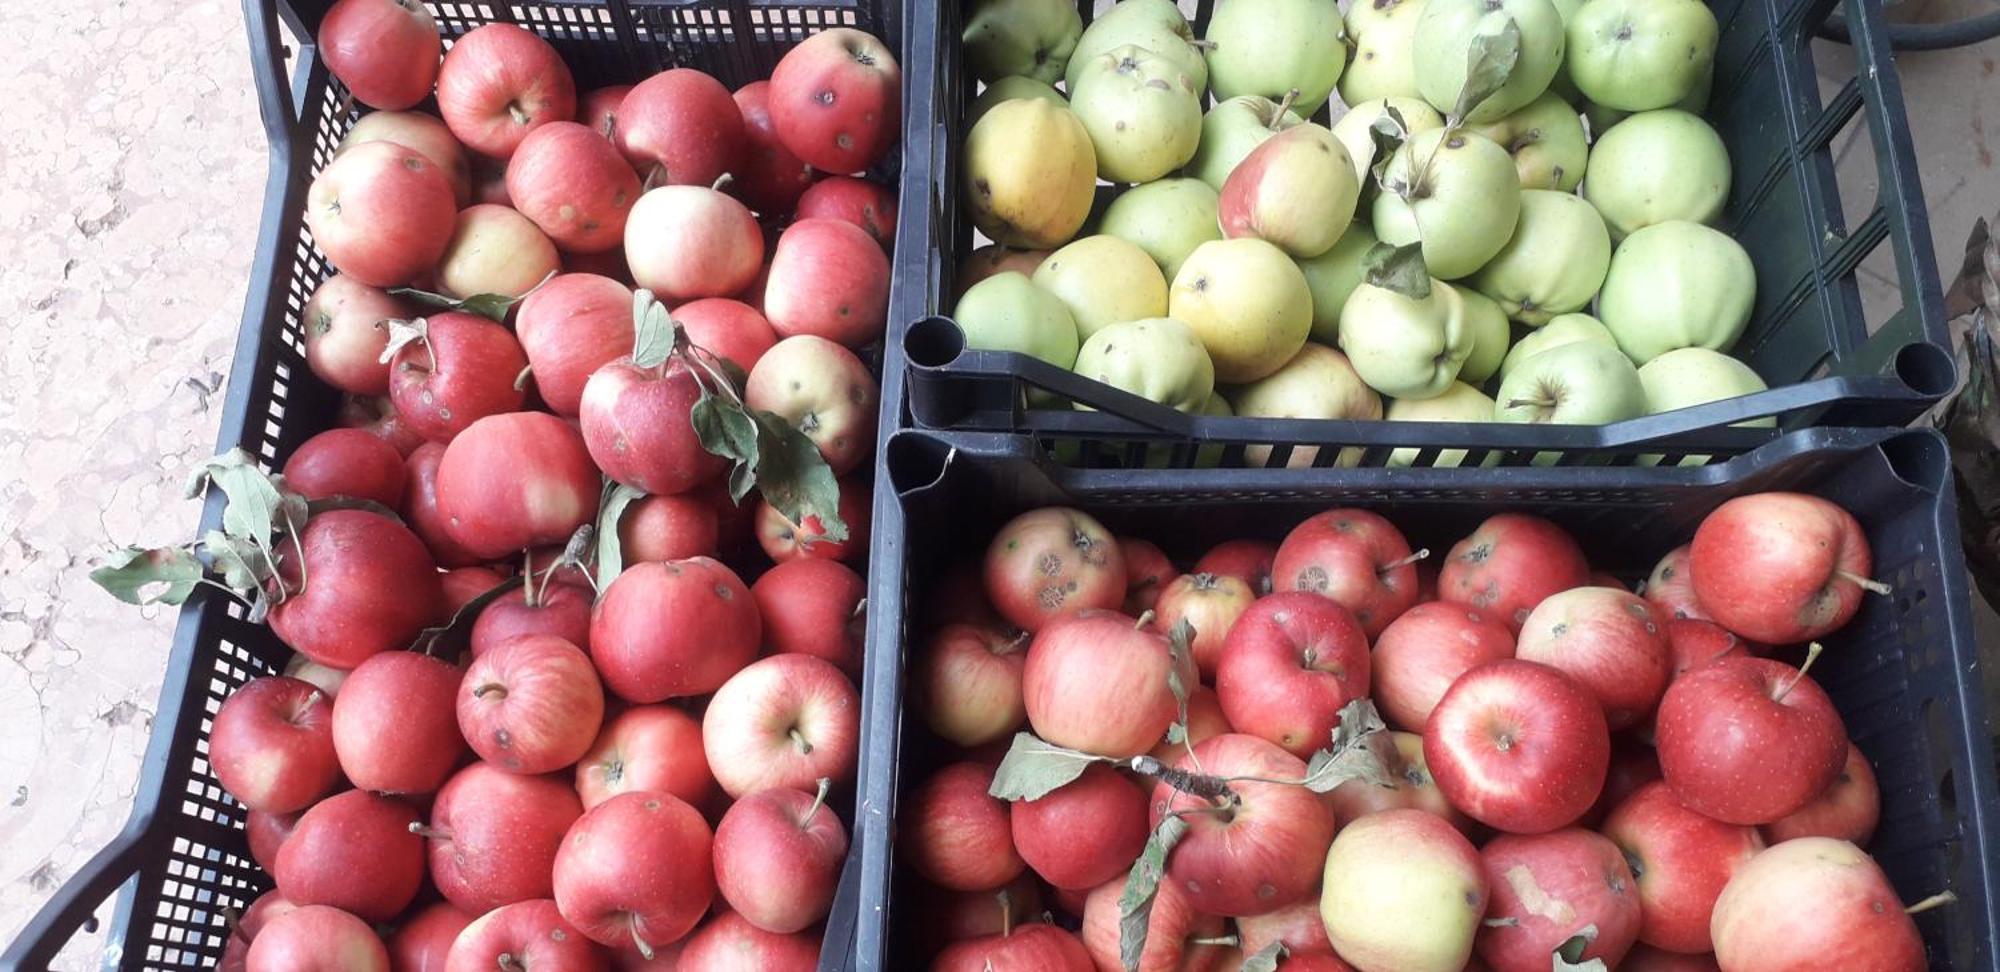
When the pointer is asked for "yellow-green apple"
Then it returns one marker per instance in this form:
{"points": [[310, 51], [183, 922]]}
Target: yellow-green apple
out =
{"points": [[1421, 653], [317, 938], [384, 51], [1611, 641], [1492, 336], [272, 745], [777, 857], [1296, 190], [1548, 887], [353, 851], [1211, 604], [1318, 382], [1167, 219], [1670, 586], [1403, 890], [1156, 25], [495, 250], [786, 720], [498, 83], [1332, 277], [1353, 130], [1677, 285], [1274, 48], [1088, 569], [1098, 681], [1383, 33], [1554, 262], [568, 328], [636, 871], [531, 705], [1748, 740], [646, 747], [1008, 89], [1681, 860], [823, 390], [1142, 112], [994, 258], [1518, 746], [686, 242], [383, 214], [422, 132], [1638, 56], [1030, 200], [1781, 568], [836, 100], [494, 834], [1848, 810], [967, 683], [1452, 190], [1445, 34], [1083, 833], [1353, 557], [1290, 664], [1402, 345], [1657, 166], [955, 833], [1693, 376], [1509, 565], [1231, 129], [1248, 302], [1103, 280], [1266, 852], [393, 725], [1547, 142], [1580, 383], [1159, 359], [1560, 330], [1803, 900], [1028, 38]]}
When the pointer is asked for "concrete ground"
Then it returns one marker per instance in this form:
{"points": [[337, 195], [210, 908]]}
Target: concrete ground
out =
{"points": [[132, 160]]}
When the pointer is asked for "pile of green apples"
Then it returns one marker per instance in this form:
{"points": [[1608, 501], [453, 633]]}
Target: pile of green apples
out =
{"points": [[1508, 218]]}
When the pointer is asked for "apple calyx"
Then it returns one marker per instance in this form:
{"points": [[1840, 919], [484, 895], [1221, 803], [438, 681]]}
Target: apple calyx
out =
{"points": [[1812, 655]]}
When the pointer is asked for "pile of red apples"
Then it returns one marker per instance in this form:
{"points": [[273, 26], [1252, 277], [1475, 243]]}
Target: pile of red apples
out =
{"points": [[1574, 775]]}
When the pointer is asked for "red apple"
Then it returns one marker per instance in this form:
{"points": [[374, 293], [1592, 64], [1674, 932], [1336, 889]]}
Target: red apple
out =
{"points": [[461, 371], [1210, 603], [635, 870], [1748, 740], [569, 327], [393, 725], [636, 422], [662, 528], [958, 596], [729, 943], [1681, 860], [420, 510], [1633, 765], [824, 391], [329, 680], [495, 250], [1204, 721], [770, 178], [489, 180], [673, 630], [942, 916], [500, 82], [829, 279], [1097, 681], [574, 185], [423, 942], [271, 745], [684, 242], [1083, 833], [814, 607], [1781, 567], [1696, 643], [992, 259], [680, 128], [377, 416], [784, 541], [1299, 927], [1171, 932], [869, 205], [1805, 902], [346, 462], [967, 683], [1033, 947], [1354, 557], [777, 858], [423, 133], [524, 935], [1518, 746], [787, 720], [381, 213], [266, 833], [463, 584], [494, 835], [1147, 572], [646, 747], [1421, 653], [1290, 664], [1847, 810], [384, 51], [317, 938], [513, 481], [598, 109], [1050, 562], [1414, 787], [956, 834], [729, 329], [345, 323], [836, 100], [1266, 853], [1249, 561], [354, 851], [359, 583], [1552, 886], [531, 705], [1509, 565], [1646, 958], [549, 607], [1610, 641], [1671, 586]]}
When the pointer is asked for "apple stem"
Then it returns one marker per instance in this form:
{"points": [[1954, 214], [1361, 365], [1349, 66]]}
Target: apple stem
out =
{"points": [[860, 608], [1203, 45], [638, 940], [521, 380], [1196, 784], [1868, 584], [1940, 898], [490, 688], [1006, 912], [1145, 619], [528, 595], [429, 832], [799, 740], [1219, 941], [721, 181], [1284, 105], [819, 800], [1420, 554], [520, 115], [1537, 402], [1812, 655]]}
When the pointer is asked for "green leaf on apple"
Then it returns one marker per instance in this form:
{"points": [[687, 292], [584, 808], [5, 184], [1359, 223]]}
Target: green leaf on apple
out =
{"points": [[1135, 902], [136, 575], [1353, 755], [652, 331], [1266, 959], [1568, 956], [241, 562], [454, 637], [732, 434], [402, 333], [1032, 769], [1398, 268], [1180, 654], [493, 307], [255, 504], [1488, 65], [1386, 133], [795, 479], [610, 512]]}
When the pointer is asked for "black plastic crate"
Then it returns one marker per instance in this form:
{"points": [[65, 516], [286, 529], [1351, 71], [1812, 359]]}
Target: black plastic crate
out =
{"points": [[1809, 337], [181, 864], [1902, 673]]}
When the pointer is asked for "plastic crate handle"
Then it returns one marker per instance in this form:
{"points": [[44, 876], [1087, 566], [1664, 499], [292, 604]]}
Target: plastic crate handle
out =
{"points": [[75, 903]]}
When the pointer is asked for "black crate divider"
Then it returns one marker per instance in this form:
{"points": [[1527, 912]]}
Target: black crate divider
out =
{"points": [[180, 866], [1903, 673], [1808, 336]]}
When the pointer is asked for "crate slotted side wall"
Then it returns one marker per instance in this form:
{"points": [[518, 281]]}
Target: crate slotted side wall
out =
{"points": [[180, 867], [1901, 673], [1808, 328]]}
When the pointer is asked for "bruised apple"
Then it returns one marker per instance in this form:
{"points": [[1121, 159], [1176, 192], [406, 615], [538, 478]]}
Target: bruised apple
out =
{"points": [[514, 481], [1050, 562]]}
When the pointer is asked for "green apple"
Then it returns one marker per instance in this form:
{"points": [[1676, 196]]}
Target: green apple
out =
{"points": [[1454, 191], [1580, 383], [1158, 359], [1383, 33], [1249, 304], [1697, 376], [1297, 190], [1352, 128], [1031, 200], [1546, 140], [1637, 55], [1677, 285], [1459, 403], [1007, 312], [1167, 219], [1554, 262], [1443, 43], [1333, 275], [1491, 334], [1007, 89], [1274, 47], [1563, 329], [1032, 38], [1103, 279], [1142, 112], [1231, 129], [1317, 383], [1156, 25], [1657, 166], [1403, 346]]}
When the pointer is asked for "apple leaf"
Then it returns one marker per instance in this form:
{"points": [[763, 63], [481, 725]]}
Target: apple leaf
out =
{"points": [[1032, 769], [1398, 268], [610, 551], [795, 479], [652, 331], [254, 506], [1180, 654], [136, 575], [1135, 902], [1387, 133], [1568, 956], [1352, 756], [493, 307], [402, 333], [241, 563], [728, 431], [1266, 959], [1488, 64], [454, 637]]}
